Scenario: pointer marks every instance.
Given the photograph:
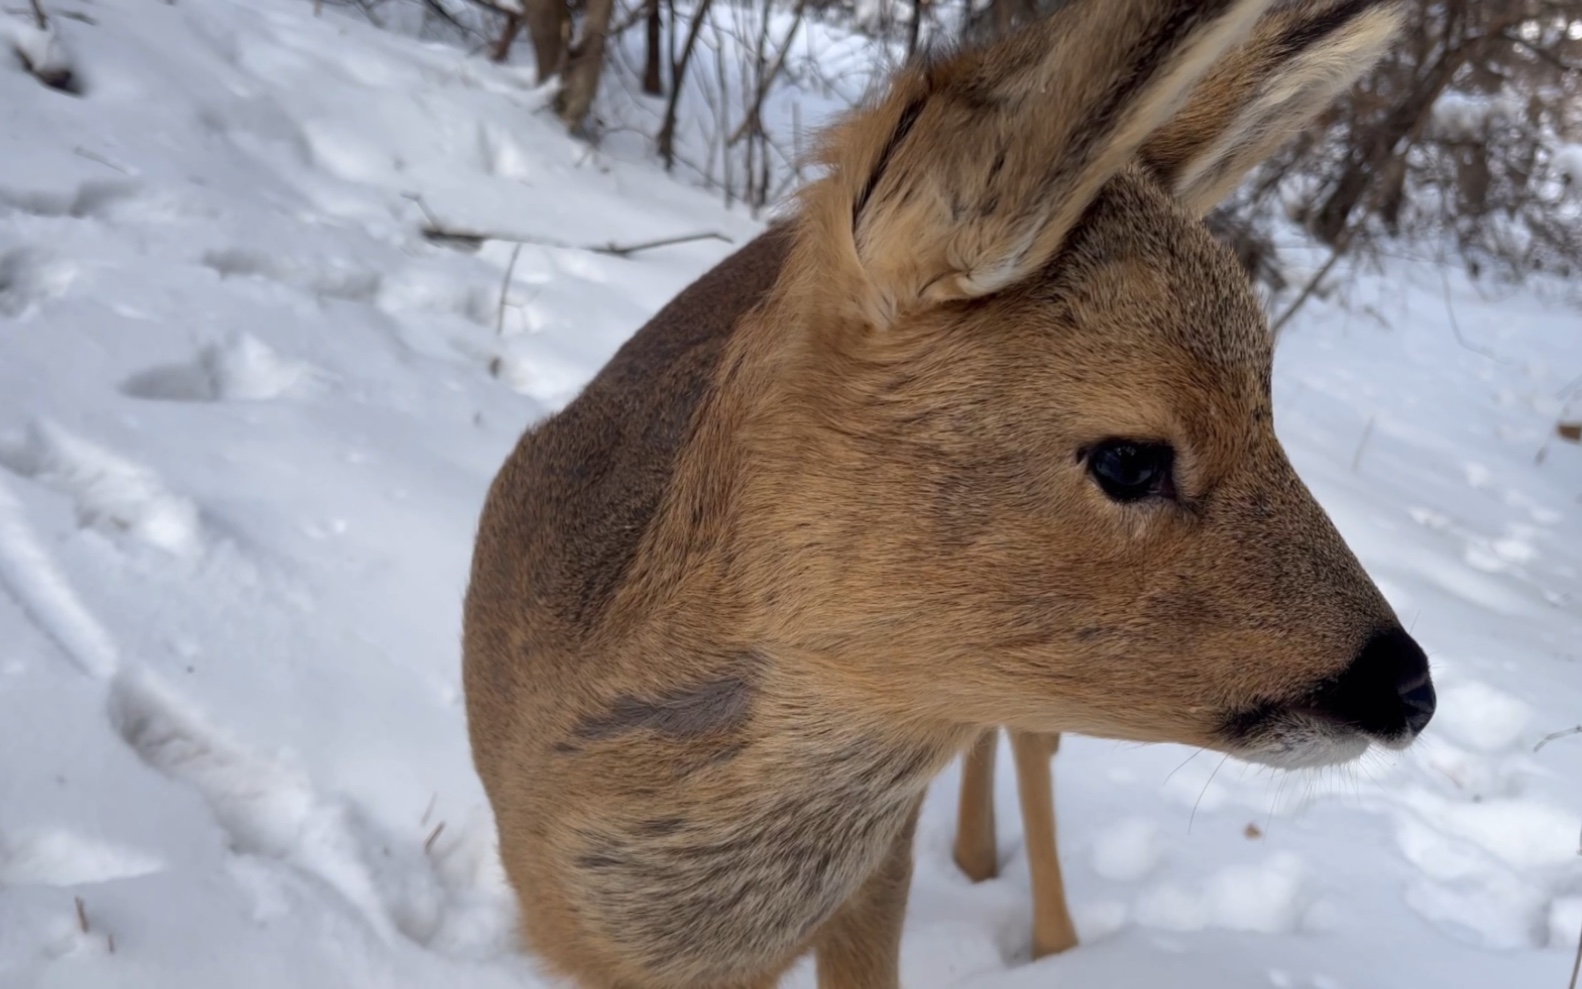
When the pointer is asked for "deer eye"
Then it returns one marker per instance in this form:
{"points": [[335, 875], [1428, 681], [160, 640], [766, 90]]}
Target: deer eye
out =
{"points": [[1127, 470]]}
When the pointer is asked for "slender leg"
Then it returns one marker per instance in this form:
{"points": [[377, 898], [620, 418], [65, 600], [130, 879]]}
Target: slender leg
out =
{"points": [[860, 947], [1053, 931], [976, 854]]}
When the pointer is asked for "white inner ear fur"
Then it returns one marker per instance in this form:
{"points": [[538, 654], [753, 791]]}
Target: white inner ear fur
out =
{"points": [[1284, 104]]}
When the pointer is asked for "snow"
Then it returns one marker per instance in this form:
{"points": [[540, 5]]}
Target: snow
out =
{"points": [[1469, 116], [248, 413], [1567, 163]]}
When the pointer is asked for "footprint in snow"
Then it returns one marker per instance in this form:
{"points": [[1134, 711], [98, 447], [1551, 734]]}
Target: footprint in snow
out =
{"points": [[89, 200], [111, 493], [238, 368], [1129, 850], [439, 894], [325, 278], [32, 578], [30, 277], [1481, 717], [1271, 898], [1490, 860], [62, 857]]}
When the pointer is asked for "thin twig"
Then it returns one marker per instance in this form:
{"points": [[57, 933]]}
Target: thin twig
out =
{"points": [[38, 15], [101, 159], [1307, 292], [82, 915], [499, 320], [439, 232], [1455, 324], [665, 141], [439, 10], [428, 845], [1555, 735], [753, 120], [623, 250], [1576, 966], [1356, 458]]}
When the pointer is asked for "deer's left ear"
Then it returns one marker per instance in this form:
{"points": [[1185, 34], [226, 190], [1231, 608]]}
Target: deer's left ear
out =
{"points": [[1298, 59], [967, 174]]}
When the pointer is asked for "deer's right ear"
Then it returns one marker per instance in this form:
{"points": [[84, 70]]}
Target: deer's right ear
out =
{"points": [[966, 175], [1297, 61]]}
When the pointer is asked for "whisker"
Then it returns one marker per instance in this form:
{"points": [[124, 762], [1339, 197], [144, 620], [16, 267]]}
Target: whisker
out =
{"points": [[1202, 793], [1195, 753]]}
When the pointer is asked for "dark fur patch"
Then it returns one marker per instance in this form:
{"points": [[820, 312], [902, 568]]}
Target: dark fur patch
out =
{"points": [[1309, 31], [716, 707], [569, 510], [903, 127], [758, 874], [660, 827]]}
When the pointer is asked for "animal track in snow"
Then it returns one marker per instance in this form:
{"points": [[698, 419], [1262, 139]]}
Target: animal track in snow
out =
{"points": [[1270, 899], [29, 277], [1498, 909], [1565, 920], [89, 200], [66, 858], [1481, 717], [1129, 850], [31, 576], [1490, 859], [238, 368], [111, 493], [263, 808], [322, 278], [445, 897]]}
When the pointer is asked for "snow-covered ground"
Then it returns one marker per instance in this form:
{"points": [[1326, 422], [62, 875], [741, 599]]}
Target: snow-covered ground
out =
{"points": [[247, 417]]}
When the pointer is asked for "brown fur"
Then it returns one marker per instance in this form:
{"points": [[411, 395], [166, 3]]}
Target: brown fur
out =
{"points": [[828, 517]]}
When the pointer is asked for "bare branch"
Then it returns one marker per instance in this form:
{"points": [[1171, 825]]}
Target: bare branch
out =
{"points": [[627, 250], [753, 120], [1542, 53], [436, 231], [1307, 292], [1556, 736], [499, 320], [665, 142]]}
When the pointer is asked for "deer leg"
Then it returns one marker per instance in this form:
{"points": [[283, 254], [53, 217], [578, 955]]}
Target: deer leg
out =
{"points": [[860, 947], [1053, 931], [976, 854]]}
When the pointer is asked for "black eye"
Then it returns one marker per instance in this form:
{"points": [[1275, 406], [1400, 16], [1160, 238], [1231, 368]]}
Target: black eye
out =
{"points": [[1127, 470]]}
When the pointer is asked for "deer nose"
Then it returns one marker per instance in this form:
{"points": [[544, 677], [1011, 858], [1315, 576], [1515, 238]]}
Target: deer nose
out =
{"points": [[1417, 697], [1387, 690]]}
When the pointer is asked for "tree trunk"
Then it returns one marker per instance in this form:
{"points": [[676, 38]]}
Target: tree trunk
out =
{"points": [[584, 65], [653, 82], [549, 25], [666, 141], [507, 38]]}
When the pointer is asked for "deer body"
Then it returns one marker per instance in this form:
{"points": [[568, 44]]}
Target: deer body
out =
{"points": [[979, 437]]}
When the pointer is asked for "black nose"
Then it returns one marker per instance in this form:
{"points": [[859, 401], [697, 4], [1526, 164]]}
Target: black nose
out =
{"points": [[1386, 691]]}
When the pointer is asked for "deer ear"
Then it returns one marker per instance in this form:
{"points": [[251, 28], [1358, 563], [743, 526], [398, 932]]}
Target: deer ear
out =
{"points": [[966, 175], [1298, 59]]}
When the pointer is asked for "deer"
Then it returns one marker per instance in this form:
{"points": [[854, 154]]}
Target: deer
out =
{"points": [[977, 436]]}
